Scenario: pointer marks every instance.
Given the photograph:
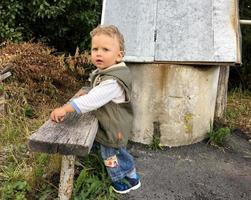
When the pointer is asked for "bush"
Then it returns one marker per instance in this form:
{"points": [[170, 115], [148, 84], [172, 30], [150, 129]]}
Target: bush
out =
{"points": [[9, 28], [63, 24], [241, 76], [217, 134]]}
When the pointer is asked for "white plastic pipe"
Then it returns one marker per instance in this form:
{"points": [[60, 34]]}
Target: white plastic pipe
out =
{"points": [[246, 22]]}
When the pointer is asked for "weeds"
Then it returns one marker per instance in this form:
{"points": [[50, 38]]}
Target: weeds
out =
{"points": [[15, 190], [25, 175], [93, 180], [20, 171], [156, 145], [217, 135], [238, 110]]}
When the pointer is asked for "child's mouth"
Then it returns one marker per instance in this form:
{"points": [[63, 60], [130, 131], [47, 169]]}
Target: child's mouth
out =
{"points": [[99, 61]]}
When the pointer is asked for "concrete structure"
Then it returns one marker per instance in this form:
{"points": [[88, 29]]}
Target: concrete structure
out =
{"points": [[178, 31], [173, 101]]}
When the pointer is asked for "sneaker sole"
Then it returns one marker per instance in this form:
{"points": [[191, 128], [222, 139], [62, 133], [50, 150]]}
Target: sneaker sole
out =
{"points": [[135, 187]]}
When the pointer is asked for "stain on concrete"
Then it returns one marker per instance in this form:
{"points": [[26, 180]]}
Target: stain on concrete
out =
{"points": [[188, 122]]}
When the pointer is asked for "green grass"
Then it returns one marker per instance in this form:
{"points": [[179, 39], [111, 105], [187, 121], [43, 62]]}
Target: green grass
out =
{"points": [[237, 115], [238, 110], [93, 181], [155, 144], [217, 135], [27, 175]]}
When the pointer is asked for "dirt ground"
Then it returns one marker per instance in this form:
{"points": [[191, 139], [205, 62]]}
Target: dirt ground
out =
{"points": [[195, 172]]}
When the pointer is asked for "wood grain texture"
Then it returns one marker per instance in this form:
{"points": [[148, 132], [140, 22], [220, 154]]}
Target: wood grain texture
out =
{"points": [[73, 136], [136, 20], [66, 177], [4, 76], [221, 100], [178, 31]]}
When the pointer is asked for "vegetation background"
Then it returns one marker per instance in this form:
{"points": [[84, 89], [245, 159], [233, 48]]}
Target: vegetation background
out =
{"points": [[51, 37], [65, 25]]}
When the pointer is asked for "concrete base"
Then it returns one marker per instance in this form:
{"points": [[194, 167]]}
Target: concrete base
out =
{"points": [[173, 102]]}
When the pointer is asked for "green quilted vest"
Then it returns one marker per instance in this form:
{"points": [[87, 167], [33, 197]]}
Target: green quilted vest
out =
{"points": [[115, 119]]}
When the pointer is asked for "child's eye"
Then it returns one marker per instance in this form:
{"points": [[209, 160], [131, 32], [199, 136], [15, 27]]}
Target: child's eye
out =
{"points": [[94, 49], [105, 49]]}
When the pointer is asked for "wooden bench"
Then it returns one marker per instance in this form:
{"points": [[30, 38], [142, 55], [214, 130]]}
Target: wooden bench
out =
{"points": [[74, 136], [5, 73]]}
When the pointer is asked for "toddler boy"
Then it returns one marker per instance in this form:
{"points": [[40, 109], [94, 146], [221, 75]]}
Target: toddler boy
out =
{"points": [[110, 99]]}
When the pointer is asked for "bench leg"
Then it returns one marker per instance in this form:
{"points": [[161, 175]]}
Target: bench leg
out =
{"points": [[66, 177], [2, 105]]}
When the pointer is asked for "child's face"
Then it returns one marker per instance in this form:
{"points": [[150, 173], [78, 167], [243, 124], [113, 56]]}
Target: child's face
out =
{"points": [[105, 51]]}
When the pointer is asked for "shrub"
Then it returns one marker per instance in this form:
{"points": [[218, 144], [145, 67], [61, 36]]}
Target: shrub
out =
{"points": [[240, 76], [64, 24], [217, 135]]}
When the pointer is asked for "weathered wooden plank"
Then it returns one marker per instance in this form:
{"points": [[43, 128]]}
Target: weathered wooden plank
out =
{"points": [[185, 32], [136, 19], [2, 104], [7, 68], [221, 100], [226, 31], [73, 136], [4, 76], [66, 177], [197, 31]]}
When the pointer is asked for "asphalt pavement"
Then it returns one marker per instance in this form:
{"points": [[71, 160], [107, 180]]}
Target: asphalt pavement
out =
{"points": [[194, 172]]}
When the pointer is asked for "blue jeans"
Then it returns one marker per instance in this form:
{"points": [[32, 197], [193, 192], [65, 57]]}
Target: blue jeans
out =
{"points": [[118, 162]]}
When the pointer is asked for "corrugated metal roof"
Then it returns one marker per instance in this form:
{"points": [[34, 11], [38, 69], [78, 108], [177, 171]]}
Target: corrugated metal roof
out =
{"points": [[191, 31]]}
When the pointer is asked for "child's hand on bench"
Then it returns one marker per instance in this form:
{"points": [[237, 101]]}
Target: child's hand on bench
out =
{"points": [[58, 114]]}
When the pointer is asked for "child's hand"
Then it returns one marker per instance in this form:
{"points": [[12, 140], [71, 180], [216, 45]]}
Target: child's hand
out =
{"points": [[58, 114]]}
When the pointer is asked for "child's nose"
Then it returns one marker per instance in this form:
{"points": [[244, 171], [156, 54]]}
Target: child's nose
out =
{"points": [[99, 52]]}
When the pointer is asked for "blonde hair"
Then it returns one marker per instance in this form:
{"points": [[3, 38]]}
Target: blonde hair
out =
{"points": [[111, 31]]}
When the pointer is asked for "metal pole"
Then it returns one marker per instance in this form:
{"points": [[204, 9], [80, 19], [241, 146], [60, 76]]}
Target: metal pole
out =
{"points": [[246, 22]]}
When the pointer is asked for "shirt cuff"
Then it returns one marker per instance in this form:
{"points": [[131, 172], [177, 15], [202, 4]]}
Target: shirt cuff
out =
{"points": [[74, 105]]}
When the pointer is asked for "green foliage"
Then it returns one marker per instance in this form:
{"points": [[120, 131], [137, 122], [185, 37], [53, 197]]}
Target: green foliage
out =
{"points": [[15, 190], [93, 181], [41, 163], [50, 9], [28, 111], [238, 110], [240, 76], [156, 145], [217, 135], [9, 27], [64, 24], [47, 192]]}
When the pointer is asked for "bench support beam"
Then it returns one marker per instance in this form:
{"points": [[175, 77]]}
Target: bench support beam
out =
{"points": [[66, 177]]}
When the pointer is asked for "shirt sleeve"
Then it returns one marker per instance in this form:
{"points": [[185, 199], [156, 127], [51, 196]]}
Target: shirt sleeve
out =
{"points": [[106, 91]]}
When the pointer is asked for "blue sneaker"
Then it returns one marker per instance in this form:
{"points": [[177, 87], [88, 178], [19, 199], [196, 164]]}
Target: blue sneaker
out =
{"points": [[126, 185]]}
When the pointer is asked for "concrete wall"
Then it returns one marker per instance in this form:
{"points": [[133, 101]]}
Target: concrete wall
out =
{"points": [[173, 102]]}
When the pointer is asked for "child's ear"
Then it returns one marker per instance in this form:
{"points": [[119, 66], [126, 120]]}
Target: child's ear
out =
{"points": [[120, 56]]}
